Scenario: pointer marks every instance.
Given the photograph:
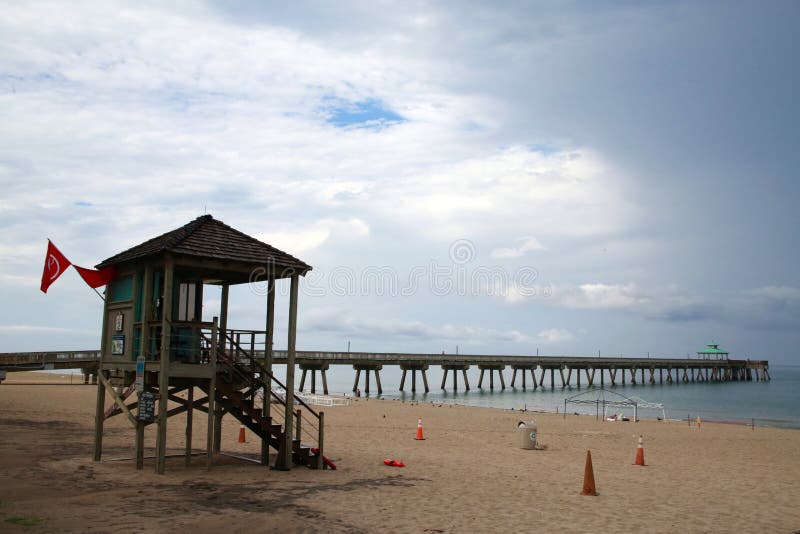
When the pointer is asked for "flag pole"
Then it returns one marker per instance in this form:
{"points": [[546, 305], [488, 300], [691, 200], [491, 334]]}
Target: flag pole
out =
{"points": [[98, 294]]}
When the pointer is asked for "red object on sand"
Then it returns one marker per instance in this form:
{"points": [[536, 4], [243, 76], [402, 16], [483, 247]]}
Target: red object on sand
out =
{"points": [[639, 454], [394, 463]]}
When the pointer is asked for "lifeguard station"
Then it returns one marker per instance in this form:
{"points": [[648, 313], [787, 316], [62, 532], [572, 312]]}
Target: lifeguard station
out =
{"points": [[158, 350]]}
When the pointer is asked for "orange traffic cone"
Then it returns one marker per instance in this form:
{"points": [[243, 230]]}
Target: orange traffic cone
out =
{"points": [[639, 453], [419, 429], [588, 477], [241, 435]]}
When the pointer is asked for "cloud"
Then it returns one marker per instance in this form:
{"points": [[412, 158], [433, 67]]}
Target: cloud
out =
{"points": [[379, 134], [344, 323], [603, 296], [288, 237], [775, 293], [17, 329], [527, 244], [771, 308], [560, 193], [555, 335]]}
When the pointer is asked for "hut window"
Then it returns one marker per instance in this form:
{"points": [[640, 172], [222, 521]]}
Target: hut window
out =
{"points": [[121, 289], [186, 302]]}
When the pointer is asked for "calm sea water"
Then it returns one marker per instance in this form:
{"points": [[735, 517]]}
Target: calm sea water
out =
{"points": [[772, 403]]}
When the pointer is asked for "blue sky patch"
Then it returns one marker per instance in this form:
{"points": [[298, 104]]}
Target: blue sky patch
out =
{"points": [[369, 113]]}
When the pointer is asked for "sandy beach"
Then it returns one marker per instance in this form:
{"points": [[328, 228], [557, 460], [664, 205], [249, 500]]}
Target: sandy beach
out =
{"points": [[468, 475]]}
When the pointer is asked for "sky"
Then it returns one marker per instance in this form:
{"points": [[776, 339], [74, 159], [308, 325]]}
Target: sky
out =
{"points": [[561, 178]]}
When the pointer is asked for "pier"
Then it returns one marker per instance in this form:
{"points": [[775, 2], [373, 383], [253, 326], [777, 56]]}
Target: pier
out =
{"points": [[543, 371]]}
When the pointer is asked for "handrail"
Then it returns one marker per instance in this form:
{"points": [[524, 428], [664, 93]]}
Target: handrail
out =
{"points": [[263, 370], [255, 364]]}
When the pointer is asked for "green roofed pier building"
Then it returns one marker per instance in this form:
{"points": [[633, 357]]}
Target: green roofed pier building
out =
{"points": [[712, 352]]}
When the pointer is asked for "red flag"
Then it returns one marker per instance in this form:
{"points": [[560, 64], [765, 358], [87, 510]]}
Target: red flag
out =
{"points": [[96, 278], [55, 263]]}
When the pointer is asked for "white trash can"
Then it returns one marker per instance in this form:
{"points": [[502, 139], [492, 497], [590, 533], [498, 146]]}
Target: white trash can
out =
{"points": [[526, 433]]}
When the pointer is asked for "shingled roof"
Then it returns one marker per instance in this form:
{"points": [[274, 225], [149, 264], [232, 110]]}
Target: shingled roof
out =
{"points": [[206, 237]]}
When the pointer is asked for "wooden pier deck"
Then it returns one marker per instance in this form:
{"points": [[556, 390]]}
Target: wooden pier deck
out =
{"points": [[543, 371]]}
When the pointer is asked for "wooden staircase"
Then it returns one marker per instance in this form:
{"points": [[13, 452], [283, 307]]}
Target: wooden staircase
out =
{"points": [[240, 379]]}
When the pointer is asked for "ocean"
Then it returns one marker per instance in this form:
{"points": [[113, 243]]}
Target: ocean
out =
{"points": [[771, 403]]}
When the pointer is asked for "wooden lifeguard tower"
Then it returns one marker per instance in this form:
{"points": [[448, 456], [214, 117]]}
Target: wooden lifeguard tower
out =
{"points": [[158, 350]]}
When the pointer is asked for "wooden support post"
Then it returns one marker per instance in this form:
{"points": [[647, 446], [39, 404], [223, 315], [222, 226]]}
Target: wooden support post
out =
{"points": [[366, 381], [219, 413], [139, 445], [491, 379], [541, 377], [313, 381], [284, 460], [355, 382], [378, 381], [212, 406], [455, 381], [425, 380], [189, 413], [602, 375], [100, 400], [268, 358], [223, 321], [99, 417], [163, 374], [321, 440], [303, 380], [633, 376], [403, 380], [324, 382], [514, 378], [652, 378], [642, 375], [480, 380], [569, 376], [466, 380], [660, 375], [578, 375], [561, 374], [444, 377], [552, 378], [413, 380], [502, 380], [144, 344], [589, 377], [612, 371]]}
